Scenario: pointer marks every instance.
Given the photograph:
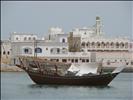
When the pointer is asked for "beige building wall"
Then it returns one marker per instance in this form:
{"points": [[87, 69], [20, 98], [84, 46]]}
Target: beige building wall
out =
{"points": [[74, 43], [115, 58], [5, 52]]}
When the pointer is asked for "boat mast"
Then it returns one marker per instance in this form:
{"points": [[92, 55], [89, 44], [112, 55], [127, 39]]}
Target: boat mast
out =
{"points": [[56, 69], [35, 50], [101, 66]]}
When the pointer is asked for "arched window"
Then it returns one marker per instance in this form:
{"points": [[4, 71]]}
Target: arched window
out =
{"points": [[93, 44], [8, 52], [63, 40], [126, 45], [4, 52], [34, 38], [82, 50], [88, 44], [108, 62], [112, 44], [102, 44], [131, 62], [98, 45], [51, 50], [38, 50], [16, 38], [117, 45], [107, 44], [121, 44], [83, 44], [58, 50], [64, 50], [25, 38], [27, 50], [46, 48], [29, 38]]}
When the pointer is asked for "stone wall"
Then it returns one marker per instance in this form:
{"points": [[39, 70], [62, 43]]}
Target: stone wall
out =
{"points": [[74, 43]]}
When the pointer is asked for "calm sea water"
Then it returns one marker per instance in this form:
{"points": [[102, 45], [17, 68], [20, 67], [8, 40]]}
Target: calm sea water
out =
{"points": [[18, 86]]}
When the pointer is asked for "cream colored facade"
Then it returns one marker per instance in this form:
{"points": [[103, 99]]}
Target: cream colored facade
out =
{"points": [[56, 45], [6, 51]]}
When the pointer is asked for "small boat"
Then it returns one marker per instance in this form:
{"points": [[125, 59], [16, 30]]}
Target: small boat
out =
{"points": [[50, 72]]}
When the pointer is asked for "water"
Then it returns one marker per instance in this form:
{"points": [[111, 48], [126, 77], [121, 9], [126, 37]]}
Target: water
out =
{"points": [[18, 86]]}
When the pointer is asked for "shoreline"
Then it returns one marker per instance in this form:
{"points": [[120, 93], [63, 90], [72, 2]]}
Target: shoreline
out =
{"points": [[10, 69], [125, 70], [106, 69]]}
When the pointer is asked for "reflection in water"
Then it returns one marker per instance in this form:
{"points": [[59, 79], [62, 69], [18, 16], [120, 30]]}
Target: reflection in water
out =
{"points": [[17, 86], [66, 86]]}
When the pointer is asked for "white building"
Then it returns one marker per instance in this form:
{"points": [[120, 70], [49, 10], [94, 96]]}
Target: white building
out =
{"points": [[21, 37], [55, 46]]}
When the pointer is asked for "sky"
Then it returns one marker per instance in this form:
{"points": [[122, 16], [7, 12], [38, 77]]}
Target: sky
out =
{"points": [[38, 16]]}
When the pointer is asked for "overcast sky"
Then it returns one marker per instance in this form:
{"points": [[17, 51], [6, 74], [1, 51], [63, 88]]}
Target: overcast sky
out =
{"points": [[38, 16]]}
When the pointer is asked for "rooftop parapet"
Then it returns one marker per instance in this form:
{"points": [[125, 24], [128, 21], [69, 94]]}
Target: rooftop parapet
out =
{"points": [[55, 30]]}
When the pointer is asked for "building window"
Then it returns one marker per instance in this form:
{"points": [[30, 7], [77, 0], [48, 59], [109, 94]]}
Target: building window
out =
{"points": [[83, 44], [14, 61], [98, 45], [72, 60], [87, 60], [83, 60], [88, 44], [64, 50], [122, 45], [103, 44], [34, 38], [132, 63], [63, 40], [82, 50], [108, 63], [58, 50], [117, 45], [112, 44], [126, 45], [57, 60], [93, 44], [64, 60], [8, 52], [4, 52], [76, 60], [25, 38], [16, 38], [29, 38], [38, 50], [107, 45], [51, 50], [27, 50]]}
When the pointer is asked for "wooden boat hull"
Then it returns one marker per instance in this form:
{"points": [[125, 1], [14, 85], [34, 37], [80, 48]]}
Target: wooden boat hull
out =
{"points": [[95, 80]]}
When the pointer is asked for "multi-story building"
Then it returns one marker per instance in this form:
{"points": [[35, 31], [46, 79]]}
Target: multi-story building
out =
{"points": [[78, 46]]}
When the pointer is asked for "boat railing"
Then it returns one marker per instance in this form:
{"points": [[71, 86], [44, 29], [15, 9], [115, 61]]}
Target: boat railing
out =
{"points": [[43, 66]]}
